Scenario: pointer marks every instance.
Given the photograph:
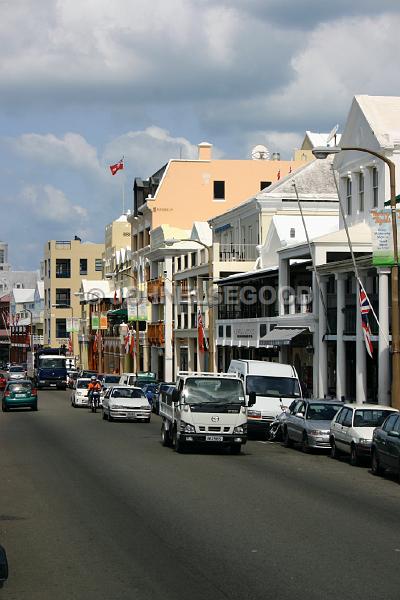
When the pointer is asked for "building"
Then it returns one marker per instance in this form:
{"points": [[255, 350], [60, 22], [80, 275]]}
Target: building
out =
{"points": [[65, 264], [117, 251], [312, 140], [5, 327]]}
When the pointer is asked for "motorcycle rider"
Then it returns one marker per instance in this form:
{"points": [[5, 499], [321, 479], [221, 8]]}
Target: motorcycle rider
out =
{"points": [[94, 386]]}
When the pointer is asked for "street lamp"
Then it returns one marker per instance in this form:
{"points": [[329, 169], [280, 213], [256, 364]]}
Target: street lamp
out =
{"points": [[322, 152], [171, 242]]}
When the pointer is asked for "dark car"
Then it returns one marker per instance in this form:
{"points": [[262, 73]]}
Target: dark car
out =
{"points": [[3, 566], [385, 447], [19, 394], [162, 388], [85, 373]]}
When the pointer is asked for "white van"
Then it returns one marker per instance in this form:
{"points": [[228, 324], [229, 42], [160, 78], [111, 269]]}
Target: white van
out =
{"points": [[275, 385]]}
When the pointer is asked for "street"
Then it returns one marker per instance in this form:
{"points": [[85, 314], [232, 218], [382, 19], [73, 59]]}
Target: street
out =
{"points": [[98, 510]]}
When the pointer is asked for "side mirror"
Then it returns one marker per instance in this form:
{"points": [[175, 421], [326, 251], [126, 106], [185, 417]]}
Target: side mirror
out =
{"points": [[175, 396], [3, 566], [299, 414], [252, 399]]}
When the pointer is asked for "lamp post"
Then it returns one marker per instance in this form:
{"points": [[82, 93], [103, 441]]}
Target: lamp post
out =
{"points": [[209, 249], [321, 153], [31, 328]]}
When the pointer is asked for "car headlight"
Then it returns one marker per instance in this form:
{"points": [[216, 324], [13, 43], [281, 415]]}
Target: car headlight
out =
{"points": [[145, 407], [187, 428], [364, 441], [256, 414], [318, 432], [116, 406], [241, 429]]}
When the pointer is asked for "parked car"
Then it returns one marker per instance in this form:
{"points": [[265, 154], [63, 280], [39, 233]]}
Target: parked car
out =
{"points": [[3, 566], [151, 392], [19, 394], [108, 381], [85, 373], [79, 396], [309, 423], [352, 429], [3, 381], [385, 448], [162, 388], [16, 372], [123, 402]]}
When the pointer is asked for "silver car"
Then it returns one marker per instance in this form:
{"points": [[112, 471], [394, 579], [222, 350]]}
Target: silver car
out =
{"points": [[16, 372], [309, 423]]}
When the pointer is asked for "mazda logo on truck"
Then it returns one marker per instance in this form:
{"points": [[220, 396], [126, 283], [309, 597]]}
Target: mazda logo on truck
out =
{"points": [[215, 419]]}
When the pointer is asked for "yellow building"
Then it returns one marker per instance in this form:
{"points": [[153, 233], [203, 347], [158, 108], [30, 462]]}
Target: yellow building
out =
{"points": [[66, 263]]}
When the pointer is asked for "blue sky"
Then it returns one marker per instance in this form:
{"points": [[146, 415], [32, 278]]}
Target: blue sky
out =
{"points": [[83, 85]]}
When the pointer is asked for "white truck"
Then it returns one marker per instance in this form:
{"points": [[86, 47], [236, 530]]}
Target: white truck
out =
{"points": [[205, 408], [276, 385]]}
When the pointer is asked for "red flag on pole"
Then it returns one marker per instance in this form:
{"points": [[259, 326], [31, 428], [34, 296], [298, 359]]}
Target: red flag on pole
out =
{"points": [[117, 167], [115, 297], [365, 307], [279, 174], [203, 345], [132, 343]]}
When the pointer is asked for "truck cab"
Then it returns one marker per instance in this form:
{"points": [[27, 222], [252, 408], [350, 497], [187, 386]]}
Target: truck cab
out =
{"points": [[50, 369], [205, 408]]}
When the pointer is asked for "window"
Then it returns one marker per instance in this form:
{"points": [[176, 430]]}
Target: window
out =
{"points": [[63, 296], [194, 259], [228, 333], [374, 187], [179, 263], [361, 192], [348, 195], [61, 328], [370, 418], [1, 256], [341, 416], [83, 266], [219, 190], [220, 331], [186, 261], [348, 418], [63, 268], [264, 184], [389, 424], [98, 264]]}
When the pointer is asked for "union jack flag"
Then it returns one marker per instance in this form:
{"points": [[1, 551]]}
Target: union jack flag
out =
{"points": [[365, 307]]}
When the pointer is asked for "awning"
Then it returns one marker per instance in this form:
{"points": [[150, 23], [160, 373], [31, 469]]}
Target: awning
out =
{"points": [[282, 336], [118, 312]]}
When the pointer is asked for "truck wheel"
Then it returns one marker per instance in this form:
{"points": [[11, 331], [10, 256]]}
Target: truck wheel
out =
{"points": [[236, 448], [165, 436], [179, 446]]}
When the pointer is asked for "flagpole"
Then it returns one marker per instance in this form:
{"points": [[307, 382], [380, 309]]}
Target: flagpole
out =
{"points": [[353, 258]]}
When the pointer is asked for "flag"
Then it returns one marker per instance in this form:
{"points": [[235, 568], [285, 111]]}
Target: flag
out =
{"points": [[96, 342], [279, 174], [132, 343], [290, 169], [127, 342], [201, 336], [365, 307], [115, 297], [70, 348], [117, 167]]}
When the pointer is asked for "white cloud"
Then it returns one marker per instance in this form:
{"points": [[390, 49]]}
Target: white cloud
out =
{"points": [[51, 204]]}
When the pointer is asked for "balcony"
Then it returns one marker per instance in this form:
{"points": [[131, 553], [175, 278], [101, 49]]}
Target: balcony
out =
{"points": [[155, 333], [155, 290], [237, 252]]}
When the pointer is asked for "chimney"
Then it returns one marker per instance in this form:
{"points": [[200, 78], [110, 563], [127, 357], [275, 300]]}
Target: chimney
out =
{"points": [[205, 151]]}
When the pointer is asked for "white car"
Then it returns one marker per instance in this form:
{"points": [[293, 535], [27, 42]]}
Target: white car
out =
{"points": [[127, 403], [79, 396], [352, 429]]}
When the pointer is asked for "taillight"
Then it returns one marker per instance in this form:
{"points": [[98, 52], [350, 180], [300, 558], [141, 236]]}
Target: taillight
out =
{"points": [[7, 393], [34, 392]]}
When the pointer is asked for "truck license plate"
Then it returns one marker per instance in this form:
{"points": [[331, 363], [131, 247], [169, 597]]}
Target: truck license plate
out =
{"points": [[214, 438]]}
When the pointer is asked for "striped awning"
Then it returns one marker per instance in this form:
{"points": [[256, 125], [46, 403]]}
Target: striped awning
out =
{"points": [[282, 336]]}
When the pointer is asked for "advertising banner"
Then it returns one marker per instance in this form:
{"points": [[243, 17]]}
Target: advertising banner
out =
{"points": [[137, 309], [72, 324], [95, 322], [103, 321], [382, 238]]}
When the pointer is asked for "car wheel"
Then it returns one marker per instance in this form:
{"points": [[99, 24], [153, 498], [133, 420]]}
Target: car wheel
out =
{"points": [[235, 448], [179, 446], [109, 417], [165, 436], [104, 414], [147, 420], [334, 450], [34, 406], [287, 442], [4, 408], [353, 456], [376, 468], [305, 446]]}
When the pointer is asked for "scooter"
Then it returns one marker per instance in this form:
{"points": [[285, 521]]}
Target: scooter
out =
{"points": [[94, 401]]}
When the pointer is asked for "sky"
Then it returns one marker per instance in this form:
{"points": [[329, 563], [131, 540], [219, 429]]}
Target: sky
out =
{"points": [[83, 84]]}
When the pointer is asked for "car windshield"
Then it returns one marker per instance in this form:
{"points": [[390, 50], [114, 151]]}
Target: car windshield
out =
{"points": [[52, 363], [127, 393], [370, 418], [16, 369], [214, 389], [111, 379], [322, 412], [277, 387], [82, 383], [20, 388]]}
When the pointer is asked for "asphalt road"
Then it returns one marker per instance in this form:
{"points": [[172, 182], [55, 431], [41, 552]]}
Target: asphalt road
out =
{"points": [[98, 510]]}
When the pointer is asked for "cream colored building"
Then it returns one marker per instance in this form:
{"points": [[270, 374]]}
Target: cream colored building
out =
{"points": [[66, 263]]}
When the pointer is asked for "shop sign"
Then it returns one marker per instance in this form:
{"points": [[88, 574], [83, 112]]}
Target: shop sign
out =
{"points": [[95, 322], [245, 332], [103, 321], [137, 309]]}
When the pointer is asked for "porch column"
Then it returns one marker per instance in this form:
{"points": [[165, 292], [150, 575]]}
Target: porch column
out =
{"points": [[340, 343], [283, 283], [191, 365], [361, 356], [322, 344], [315, 336], [383, 344], [168, 316]]}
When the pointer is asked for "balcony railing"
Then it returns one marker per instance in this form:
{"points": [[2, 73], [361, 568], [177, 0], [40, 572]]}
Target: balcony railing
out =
{"points": [[155, 333], [63, 245], [237, 252], [155, 290]]}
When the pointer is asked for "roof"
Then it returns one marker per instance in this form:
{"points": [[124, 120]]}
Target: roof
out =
{"points": [[202, 231], [359, 234], [40, 288], [23, 295], [319, 139], [285, 225], [96, 288], [383, 115]]}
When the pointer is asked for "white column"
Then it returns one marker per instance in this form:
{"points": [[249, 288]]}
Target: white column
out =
{"points": [[191, 364], [322, 344], [168, 314], [383, 344], [315, 336], [283, 283], [361, 355], [340, 343]]}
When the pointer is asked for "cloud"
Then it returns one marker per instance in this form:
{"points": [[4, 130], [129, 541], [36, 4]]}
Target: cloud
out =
{"points": [[50, 204]]}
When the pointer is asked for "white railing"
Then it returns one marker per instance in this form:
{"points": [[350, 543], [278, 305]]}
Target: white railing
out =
{"points": [[237, 252]]}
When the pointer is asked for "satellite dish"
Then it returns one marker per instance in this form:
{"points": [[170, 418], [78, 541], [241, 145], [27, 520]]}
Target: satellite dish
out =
{"points": [[332, 134], [260, 152]]}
